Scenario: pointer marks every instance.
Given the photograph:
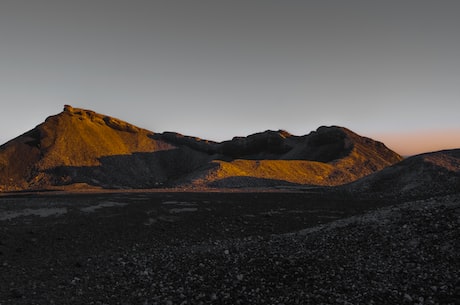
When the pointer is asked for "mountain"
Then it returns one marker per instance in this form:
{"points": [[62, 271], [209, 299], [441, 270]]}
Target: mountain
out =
{"points": [[74, 138], [81, 148], [328, 156], [428, 174]]}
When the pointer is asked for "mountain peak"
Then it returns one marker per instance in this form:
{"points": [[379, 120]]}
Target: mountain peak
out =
{"points": [[85, 114], [68, 108]]}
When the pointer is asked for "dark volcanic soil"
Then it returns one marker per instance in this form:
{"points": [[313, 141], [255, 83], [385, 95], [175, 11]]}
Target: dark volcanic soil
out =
{"points": [[227, 248]]}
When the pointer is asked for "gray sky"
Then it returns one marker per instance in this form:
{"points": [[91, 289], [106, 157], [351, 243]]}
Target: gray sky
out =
{"points": [[218, 69]]}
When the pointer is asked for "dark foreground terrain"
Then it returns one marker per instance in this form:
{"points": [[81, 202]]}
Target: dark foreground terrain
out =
{"points": [[227, 248]]}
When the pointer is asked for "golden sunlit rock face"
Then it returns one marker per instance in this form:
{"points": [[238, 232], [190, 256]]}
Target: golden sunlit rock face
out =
{"points": [[329, 156], [73, 138], [78, 137], [81, 147]]}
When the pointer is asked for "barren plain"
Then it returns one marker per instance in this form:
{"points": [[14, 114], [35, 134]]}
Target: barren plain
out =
{"points": [[227, 248]]}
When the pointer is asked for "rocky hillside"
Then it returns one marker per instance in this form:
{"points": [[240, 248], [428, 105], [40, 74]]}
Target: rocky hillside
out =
{"points": [[66, 143], [79, 147], [328, 156], [423, 175]]}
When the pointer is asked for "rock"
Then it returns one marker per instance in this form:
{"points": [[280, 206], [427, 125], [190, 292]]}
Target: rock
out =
{"points": [[407, 298], [68, 108]]}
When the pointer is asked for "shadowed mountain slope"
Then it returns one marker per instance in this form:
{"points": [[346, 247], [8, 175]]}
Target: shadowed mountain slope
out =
{"points": [[329, 156], [79, 146], [72, 139], [422, 175]]}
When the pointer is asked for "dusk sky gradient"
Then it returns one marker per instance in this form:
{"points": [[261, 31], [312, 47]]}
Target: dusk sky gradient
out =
{"points": [[215, 69]]}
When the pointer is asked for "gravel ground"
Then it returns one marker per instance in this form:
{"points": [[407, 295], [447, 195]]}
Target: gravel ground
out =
{"points": [[407, 253]]}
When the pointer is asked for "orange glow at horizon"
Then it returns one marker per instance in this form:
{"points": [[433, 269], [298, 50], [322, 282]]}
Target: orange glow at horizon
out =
{"points": [[417, 142]]}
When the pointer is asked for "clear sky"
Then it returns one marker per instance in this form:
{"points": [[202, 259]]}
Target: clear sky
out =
{"points": [[217, 69]]}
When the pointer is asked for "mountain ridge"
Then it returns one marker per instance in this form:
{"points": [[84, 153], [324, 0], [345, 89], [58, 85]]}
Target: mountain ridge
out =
{"points": [[82, 147]]}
